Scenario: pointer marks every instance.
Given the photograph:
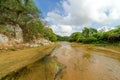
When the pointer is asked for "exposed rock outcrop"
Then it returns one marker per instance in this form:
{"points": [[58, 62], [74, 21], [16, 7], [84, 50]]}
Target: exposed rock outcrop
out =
{"points": [[16, 40], [38, 42], [3, 39], [18, 36]]}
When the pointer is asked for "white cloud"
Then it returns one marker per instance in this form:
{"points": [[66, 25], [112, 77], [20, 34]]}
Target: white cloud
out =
{"points": [[63, 30], [85, 12], [105, 28]]}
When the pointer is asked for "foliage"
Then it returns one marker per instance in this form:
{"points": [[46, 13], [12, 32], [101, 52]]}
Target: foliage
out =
{"points": [[77, 36], [4, 30], [91, 35], [48, 34], [89, 40], [86, 32], [113, 35], [62, 38], [17, 12], [25, 14]]}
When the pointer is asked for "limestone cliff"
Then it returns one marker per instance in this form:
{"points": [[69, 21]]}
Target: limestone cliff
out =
{"points": [[16, 38]]}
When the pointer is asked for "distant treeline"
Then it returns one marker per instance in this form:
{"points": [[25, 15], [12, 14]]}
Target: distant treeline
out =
{"points": [[91, 35]]}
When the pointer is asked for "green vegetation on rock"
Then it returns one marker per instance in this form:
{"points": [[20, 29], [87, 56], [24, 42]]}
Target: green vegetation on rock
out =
{"points": [[25, 14]]}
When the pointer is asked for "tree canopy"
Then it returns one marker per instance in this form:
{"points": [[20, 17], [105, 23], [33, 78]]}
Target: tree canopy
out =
{"points": [[25, 14], [91, 35]]}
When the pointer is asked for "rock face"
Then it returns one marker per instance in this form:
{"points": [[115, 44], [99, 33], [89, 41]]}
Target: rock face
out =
{"points": [[38, 42], [3, 39], [17, 38], [42, 41]]}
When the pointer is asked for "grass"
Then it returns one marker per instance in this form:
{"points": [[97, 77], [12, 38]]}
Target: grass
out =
{"points": [[15, 60], [13, 49], [112, 49], [115, 46]]}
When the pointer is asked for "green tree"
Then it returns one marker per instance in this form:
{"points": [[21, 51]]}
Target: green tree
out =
{"points": [[48, 34], [86, 32], [23, 13], [92, 31], [62, 38], [14, 12], [77, 36]]}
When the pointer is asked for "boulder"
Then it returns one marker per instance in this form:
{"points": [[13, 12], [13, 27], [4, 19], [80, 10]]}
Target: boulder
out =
{"points": [[4, 39], [18, 33]]}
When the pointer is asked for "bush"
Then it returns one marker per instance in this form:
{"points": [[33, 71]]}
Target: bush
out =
{"points": [[89, 40], [13, 49]]}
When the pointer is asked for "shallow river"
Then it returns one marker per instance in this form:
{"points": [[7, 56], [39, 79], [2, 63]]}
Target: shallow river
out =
{"points": [[85, 62]]}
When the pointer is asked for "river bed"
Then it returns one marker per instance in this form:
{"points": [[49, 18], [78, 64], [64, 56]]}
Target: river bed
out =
{"points": [[74, 61], [84, 62]]}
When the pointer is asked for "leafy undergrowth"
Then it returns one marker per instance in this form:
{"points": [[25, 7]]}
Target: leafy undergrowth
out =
{"points": [[11, 62]]}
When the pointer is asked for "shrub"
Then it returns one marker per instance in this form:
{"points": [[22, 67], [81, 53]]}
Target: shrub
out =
{"points": [[89, 40], [13, 49]]}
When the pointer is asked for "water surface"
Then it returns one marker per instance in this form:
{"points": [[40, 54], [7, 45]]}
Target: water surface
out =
{"points": [[84, 62]]}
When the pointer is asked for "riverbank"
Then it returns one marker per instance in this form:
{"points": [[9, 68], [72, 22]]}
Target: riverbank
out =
{"points": [[15, 60], [115, 46], [43, 69]]}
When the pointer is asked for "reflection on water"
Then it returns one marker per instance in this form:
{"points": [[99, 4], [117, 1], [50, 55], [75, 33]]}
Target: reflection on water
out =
{"points": [[86, 63]]}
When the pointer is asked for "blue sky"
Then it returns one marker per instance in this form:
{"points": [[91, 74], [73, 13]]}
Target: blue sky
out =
{"points": [[46, 5], [68, 16]]}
